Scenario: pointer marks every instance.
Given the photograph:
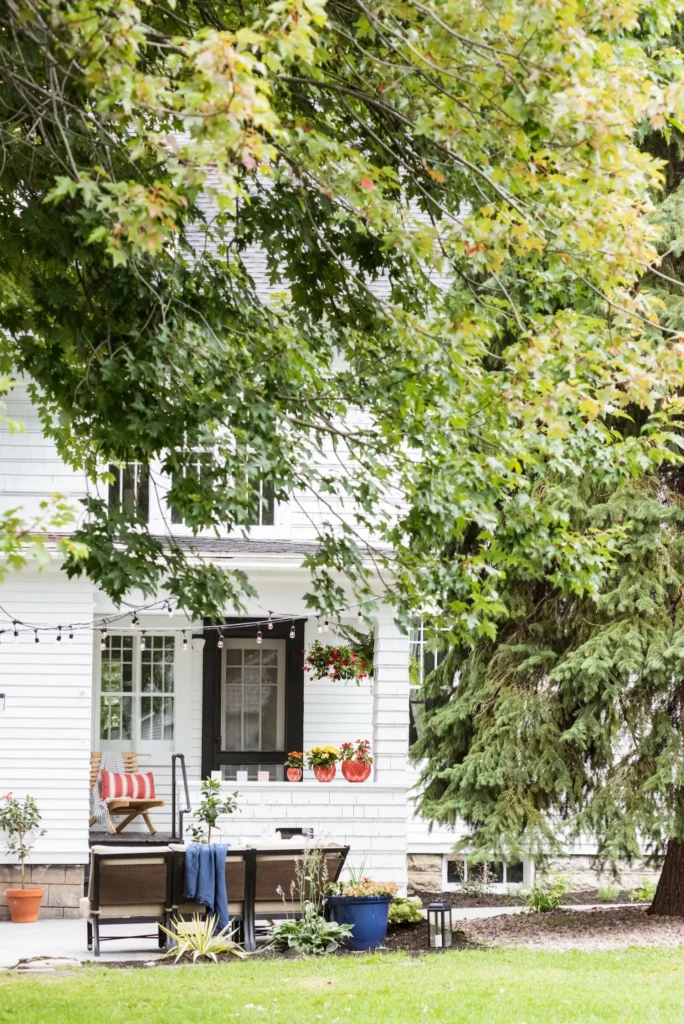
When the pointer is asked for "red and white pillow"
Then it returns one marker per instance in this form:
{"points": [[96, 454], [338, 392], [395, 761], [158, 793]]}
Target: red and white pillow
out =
{"points": [[134, 787]]}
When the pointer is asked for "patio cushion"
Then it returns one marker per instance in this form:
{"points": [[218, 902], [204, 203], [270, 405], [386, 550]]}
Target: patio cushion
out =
{"points": [[135, 786]]}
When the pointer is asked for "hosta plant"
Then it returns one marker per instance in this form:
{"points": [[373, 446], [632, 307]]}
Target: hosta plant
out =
{"points": [[548, 896], [643, 893], [311, 935], [199, 938]]}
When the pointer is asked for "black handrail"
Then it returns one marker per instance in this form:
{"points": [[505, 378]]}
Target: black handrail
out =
{"points": [[174, 790]]}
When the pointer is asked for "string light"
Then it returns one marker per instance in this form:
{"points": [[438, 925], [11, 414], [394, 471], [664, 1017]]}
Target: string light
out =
{"points": [[220, 641], [185, 641], [135, 620], [260, 638], [15, 635], [360, 616], [142, 640], [36, 638], [270, 621], [292, 631], [326, 626], [169, 609], [58, 638], [71, 634], [320, 628], [103, 640]]}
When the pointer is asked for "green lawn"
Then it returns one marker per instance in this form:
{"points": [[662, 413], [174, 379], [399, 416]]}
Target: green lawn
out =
{"points": [[494, 987]]}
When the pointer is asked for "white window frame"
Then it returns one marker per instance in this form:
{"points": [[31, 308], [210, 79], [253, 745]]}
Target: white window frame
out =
{"points": [[121, 469], [136, 742], [505, 886]]}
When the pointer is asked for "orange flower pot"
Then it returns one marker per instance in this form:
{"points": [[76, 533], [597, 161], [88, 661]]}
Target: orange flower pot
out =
{"points": [[356, 771], [24, 904], [294, 774], [324, 774]]}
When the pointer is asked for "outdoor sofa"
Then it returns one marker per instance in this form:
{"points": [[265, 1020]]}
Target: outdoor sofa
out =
{"points": [[134, 885]]}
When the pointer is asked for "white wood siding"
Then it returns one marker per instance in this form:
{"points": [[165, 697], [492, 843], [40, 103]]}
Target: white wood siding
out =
{"points": [[45, 727]]}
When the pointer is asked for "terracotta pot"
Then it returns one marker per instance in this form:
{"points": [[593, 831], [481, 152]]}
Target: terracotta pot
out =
{"points": [[24, 904], [294, 774], [355, 771], [324, 774]]}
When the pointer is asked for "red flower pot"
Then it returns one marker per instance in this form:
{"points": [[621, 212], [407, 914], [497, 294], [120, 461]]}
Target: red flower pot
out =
{"points": [[294, 774], [324, 774], [355, 771]]}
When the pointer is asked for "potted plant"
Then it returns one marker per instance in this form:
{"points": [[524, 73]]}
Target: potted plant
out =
{"points": [[323, 761], [295, 766], [363, 904], [356, 760], [212, 806], [20, 820], [342, 661]]}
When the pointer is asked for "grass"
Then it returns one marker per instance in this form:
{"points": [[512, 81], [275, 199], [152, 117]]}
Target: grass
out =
{"points": [[478, 987]]}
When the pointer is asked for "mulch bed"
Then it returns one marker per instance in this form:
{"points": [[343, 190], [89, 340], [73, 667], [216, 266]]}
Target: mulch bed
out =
{"points": [[502, 899]]}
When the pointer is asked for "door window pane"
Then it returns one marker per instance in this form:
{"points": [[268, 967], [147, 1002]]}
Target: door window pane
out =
{"points": [[253, 695]]}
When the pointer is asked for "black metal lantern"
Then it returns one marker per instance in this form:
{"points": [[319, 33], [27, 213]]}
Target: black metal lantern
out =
{"points": [[439, 925]]}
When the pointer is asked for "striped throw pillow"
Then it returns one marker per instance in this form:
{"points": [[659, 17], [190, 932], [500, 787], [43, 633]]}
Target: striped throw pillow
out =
{"points": [[116, 785]]}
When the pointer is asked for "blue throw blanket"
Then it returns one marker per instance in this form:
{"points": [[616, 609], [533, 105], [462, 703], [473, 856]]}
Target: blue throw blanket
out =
{"points": [[205, 878]]}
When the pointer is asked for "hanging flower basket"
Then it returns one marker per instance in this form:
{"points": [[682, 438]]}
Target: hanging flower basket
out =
{"points": [[337, 662]]}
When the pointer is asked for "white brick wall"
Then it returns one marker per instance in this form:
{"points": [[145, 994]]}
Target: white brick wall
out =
{"points": [[370, 817]]}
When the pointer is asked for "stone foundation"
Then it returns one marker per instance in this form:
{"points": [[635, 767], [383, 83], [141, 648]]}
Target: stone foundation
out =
{"points": [[424, 871], [583, 875], [63, 885]]}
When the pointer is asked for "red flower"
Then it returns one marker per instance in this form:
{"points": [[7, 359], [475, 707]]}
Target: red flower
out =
{"points": [[367, 183]]}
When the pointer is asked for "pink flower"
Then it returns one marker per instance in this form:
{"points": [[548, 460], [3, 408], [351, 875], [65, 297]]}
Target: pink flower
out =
{"points": [[367, 183], [5, 796]]}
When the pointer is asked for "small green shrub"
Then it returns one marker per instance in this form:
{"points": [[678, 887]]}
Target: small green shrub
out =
{"points": [[403, 911], [608, 893], [548, 896], [311, 934], [643, 893]]}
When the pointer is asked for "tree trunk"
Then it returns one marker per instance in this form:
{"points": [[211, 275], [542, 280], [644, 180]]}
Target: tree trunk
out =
{"points": [[669, 897]]}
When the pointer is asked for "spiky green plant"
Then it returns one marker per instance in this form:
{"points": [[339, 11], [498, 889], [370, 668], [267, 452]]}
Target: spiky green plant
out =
{"points": [[199, 938]]}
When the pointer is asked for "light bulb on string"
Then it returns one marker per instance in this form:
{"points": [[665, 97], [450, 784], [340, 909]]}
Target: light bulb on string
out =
{"points": [[58, 638], [142, 640], [292, 631], [185, 641], [103, 639], [15, 634], [36, 638], [326, 626], [320, 628], [104, 630], [136, 620], [71, 634], [270, 621], [220, 641], [259, 637], [169, 609], [360, 616]]}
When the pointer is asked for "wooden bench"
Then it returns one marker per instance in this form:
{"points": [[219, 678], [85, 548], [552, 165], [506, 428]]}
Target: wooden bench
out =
{"points": [[123, 805]]}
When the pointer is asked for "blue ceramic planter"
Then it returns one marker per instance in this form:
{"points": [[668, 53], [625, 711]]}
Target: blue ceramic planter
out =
{"points": [[366, 914]]}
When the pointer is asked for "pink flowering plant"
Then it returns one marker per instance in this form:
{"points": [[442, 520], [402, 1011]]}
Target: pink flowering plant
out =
{"points": [[357, 751], [336, 662], [363, 886]]}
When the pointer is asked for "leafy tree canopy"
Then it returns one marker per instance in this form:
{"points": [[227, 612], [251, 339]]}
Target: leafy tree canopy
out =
{"points": [[451, 196]]}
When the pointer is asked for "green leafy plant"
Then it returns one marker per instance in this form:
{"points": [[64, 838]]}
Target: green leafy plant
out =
{"points": [[323, 757], [311, 935], [362, 887], [643, 893], [362, 643], [548, 896], [336, 662], [405, 911], [199, 938], [213, 805], [608, 893], [295, 759], [20, 820]]}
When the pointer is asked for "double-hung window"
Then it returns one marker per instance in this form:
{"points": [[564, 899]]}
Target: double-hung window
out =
{"points": [[460, 871], [264, 514], [137, 688], [130, 488]]}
